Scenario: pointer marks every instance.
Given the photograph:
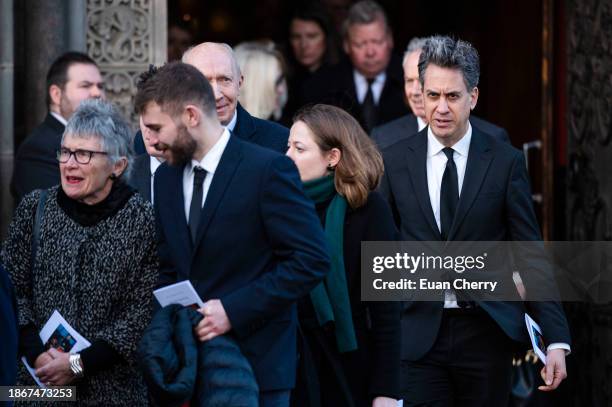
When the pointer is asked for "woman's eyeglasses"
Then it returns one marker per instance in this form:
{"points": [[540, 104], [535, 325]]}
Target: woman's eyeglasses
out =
{"points": [[81, 156]]}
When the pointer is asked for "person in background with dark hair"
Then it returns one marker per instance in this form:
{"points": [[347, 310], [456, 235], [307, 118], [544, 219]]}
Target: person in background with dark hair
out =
{"points": [[369, 85], [72, 78], [8, 327], [179, 41], [353, 346], [313, 44]]}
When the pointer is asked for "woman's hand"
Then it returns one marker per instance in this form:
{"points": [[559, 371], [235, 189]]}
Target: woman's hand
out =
{"points": [[42, 360], [56, 372], [384, 402]]}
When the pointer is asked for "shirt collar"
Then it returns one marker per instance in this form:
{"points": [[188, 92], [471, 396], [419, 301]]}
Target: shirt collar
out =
{"points": [[359, 78], [421, 124], [154, 164], [212, 158], [59, 118], [230, 126], [461, 147]]}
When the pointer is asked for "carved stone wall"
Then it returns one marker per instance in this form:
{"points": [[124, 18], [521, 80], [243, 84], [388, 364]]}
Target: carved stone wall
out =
{"points": [[124, 37], [589, 59]]}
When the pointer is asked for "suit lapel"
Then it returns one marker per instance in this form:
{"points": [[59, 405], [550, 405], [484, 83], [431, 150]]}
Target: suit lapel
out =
{"points": [[173, 194], [417, 164], [230, 159], [412, 126], [479, 160], [245, 128], [143, 176]]}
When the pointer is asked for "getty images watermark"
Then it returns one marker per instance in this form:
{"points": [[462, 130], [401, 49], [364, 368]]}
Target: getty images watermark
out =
{"points": [[487, 271]]}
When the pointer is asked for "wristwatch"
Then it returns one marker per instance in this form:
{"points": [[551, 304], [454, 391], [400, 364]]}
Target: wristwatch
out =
{"points": [[75, 365]]}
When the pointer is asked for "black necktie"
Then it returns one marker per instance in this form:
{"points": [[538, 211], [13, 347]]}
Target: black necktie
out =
{"points": [[369, 109], [449, 194], [195, 209]]}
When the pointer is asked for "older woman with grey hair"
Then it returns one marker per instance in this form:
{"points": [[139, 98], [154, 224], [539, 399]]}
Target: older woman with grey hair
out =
{"points": [[86, 248]]}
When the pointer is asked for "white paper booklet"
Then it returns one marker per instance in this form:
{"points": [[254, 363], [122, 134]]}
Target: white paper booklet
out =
{"points": [[537, 339], [181, 293], [57, 333]]}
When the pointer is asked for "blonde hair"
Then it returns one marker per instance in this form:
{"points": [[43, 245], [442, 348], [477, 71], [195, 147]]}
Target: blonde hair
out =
{"points": [[361, 166], [261, 67]]}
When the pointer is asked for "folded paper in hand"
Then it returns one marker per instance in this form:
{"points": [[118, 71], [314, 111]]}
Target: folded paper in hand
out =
{"points": [[181, 293], [537, 339], [59, 334]]}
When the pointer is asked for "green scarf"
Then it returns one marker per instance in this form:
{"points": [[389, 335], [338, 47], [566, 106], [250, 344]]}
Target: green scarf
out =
{"points": [[330, 298]]}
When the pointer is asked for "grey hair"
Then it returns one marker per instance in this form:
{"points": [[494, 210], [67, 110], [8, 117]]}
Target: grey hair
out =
{"points": [[447, 52], [415, 44], [99, 119], [364, 12]]}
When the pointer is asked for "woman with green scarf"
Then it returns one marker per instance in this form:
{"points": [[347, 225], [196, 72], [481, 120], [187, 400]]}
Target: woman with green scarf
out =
{"points": [[350, 350]]}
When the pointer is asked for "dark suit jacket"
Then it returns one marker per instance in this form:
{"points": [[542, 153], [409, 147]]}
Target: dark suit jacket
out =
{"points": [[335, 86], [261, 132], [495, 204], [259, 248], [140, 178], [36, 165], [407, 126]]}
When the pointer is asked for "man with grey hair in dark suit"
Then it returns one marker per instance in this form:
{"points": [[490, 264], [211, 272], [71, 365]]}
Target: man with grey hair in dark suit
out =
{"points": [[410, 124], [453, 182]]}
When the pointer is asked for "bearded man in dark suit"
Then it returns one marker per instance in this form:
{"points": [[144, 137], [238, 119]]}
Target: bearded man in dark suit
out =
{"points": [[234, 220], [218, 64]]}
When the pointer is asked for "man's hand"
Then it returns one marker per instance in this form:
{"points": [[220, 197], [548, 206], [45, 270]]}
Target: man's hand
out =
{"points": [[57, 372], [384, 402], [554, 372], [215, 321]]}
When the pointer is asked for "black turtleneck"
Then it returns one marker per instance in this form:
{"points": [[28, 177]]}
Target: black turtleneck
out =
{"points": [[89, 215]]}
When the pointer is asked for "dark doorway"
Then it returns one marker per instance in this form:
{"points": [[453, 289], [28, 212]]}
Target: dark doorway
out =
{"points": [[507, 35]]}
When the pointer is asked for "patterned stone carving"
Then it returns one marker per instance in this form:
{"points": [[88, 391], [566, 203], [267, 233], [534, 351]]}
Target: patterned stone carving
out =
{"points": [[589, 57], [590, 118], [124, 37]]}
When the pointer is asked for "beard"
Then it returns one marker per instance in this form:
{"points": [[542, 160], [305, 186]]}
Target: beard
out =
{"points": [[65, 107], [181, 152]]}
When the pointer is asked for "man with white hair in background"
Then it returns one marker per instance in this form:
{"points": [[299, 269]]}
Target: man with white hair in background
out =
{"points": [[218, 64]]}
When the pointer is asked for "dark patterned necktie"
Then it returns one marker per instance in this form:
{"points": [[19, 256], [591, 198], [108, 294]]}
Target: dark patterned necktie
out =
{"points": [[369, 110]]}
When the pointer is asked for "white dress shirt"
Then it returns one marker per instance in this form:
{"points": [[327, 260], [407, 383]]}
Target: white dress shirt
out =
{"points": [[436, 164], [209, 163], [59, 118], [421, 123], [154, 164], [361, 86], [230, 126]]}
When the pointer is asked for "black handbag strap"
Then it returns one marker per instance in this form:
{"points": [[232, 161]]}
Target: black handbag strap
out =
{"points": [[36, 228]]}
